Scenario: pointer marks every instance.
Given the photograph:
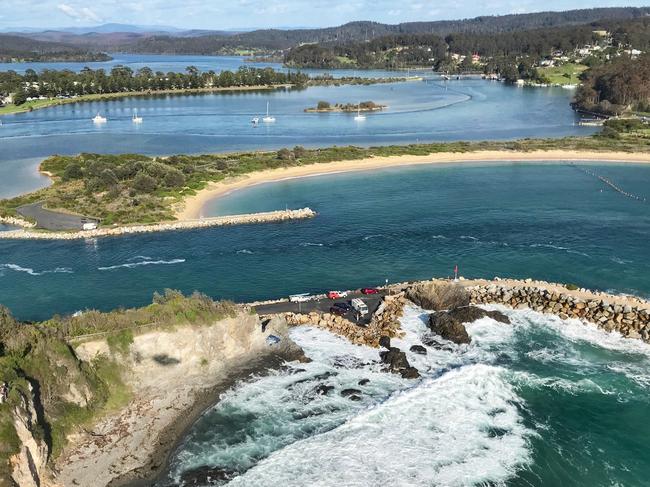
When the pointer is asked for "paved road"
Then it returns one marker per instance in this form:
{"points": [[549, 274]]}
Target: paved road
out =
{"points": [[52, 220], [323, 306]]}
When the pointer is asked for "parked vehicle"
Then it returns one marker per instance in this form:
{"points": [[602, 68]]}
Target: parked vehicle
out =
{"points": [[300, 298], [344, 306], [336, 310], [359, 306], [369, 290], [337, 294]]}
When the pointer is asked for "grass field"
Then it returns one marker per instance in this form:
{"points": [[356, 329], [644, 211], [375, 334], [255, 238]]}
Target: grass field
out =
{"points": [[566, 74]]}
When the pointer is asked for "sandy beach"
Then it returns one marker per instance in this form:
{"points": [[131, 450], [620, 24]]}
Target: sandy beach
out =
{"points": [[193, 207]]}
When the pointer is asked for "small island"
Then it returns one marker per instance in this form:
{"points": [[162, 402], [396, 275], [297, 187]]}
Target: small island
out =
{"points": [[364, 106]]}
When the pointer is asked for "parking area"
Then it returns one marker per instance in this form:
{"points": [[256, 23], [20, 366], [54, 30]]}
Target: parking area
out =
{"points": [[52, 220], [323, 305]]}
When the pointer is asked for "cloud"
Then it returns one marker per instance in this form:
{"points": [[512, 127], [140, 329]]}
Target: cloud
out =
{"points": [[79, 13]]}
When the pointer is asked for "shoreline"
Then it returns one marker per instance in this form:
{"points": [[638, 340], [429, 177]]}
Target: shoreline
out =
{"points": [[171, 437], [192, 207]]}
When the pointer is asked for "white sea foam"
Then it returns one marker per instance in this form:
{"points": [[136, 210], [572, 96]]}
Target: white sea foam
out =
{"points": [[32, 272], [370, 237], [468, 237], [310, 244], [244, 251], [439, 237], [131, 265], [463, 428], [559, 384]]}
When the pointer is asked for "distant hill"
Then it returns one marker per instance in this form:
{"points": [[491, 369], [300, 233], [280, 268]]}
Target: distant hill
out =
{"points": [[275, 39], [25, 49]]}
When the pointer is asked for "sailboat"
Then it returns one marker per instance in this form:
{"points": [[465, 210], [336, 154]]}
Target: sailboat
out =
{"points": [[268, 118], [135, 118], [98, 119], [359, 117]]}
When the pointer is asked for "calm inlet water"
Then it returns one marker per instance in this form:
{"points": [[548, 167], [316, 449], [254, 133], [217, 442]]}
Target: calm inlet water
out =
{"points": [[549, 221], [418, 111]]}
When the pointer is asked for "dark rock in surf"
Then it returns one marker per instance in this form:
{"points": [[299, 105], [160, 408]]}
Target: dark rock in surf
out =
{"points": [[450, 324], [384, 341], [419, 349], [410, 373], [398, 363], [323, 389], [363, 382], [350, 392]]}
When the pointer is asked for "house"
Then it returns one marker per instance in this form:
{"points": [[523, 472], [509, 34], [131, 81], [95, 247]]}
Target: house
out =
{"points": [[476, 58]]}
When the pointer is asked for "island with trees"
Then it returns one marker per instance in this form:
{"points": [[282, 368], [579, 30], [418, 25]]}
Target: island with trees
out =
{"points": [[364, 106]]}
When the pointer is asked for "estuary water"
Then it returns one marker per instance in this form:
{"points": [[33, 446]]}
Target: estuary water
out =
{"points": [[549, 221], [540, 402], [421, 111]]}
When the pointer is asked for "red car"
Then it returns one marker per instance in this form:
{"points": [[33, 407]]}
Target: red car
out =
{"points": [[336, 294], [369, 290]]}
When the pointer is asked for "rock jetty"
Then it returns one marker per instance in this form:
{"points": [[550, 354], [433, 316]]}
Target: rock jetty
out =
{"points": [[16, 222], [384, 323], [267, 217], [628, 316]]}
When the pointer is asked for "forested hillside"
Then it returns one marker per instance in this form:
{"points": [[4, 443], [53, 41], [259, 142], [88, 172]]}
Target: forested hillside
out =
{"points": [[617, 87], [24, 49]]}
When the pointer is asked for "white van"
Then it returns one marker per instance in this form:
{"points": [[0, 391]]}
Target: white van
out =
{"points": [[359, 306], [300, 298]]}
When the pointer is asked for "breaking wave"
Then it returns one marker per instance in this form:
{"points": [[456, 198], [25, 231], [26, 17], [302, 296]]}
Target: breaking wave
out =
{"points": [[130, 265], [32, 272]]}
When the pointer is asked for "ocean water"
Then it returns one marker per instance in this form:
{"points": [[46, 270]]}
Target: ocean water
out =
{"points": [[548, 221], [539, 402]]}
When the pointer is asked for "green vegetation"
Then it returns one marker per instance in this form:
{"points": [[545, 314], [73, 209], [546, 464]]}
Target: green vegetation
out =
{"points": [[132, 188], [616, 88], [38, 364], [565, 74], [364, 106]]}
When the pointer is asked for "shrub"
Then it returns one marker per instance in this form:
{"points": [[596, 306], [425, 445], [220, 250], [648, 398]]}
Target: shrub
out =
{"points": [[174, 178], [144, 183], [571, 287], [285, 154], [72, 171], [323, 105]]}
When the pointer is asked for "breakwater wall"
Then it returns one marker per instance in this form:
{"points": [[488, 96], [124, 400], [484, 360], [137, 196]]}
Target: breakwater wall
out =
{"points": [[627, 315], [16, 222], [385, 322], [267, 217]]}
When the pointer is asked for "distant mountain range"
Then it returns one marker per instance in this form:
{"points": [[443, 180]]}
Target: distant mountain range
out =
{"points": [[171, 40]]}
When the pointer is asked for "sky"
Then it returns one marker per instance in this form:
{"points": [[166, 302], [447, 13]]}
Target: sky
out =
{"points": [[238, 14]]}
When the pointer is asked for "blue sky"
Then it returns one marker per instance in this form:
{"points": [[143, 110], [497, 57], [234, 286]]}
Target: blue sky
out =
{"points": [[233, 14]]}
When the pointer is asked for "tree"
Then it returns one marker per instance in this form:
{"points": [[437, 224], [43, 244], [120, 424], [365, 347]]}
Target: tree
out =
{"points": [[19, 97], [323, 105], [72, 171], [174, 178]]}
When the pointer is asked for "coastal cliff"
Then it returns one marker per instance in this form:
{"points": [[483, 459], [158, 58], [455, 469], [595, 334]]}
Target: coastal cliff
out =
{"points": [[107, 407]]}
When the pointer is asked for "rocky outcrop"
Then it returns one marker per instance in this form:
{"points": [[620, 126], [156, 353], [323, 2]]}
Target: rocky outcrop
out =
{"points": [[438, 295], [271, 216], [450, 324], [626, 315], [398, 363], [29, 464]]}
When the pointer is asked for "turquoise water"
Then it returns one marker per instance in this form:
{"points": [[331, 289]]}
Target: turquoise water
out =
{"points": [[539, 402], [549, 221]]}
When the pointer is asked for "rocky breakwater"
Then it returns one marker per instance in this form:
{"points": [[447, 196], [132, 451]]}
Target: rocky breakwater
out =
{"points": [[16, 222], [384, 322], [251, 218], [626, 315]]}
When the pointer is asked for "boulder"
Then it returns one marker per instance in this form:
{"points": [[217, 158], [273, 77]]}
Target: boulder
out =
{"points": [[363, 382], [410, 373], [437, 296], [418, 349], [350, 392], [449, 324], [384, 341], [398, 363], [323, 389]]}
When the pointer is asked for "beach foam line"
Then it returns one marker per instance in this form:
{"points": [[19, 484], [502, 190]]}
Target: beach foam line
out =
{"points": [[245, 219]]}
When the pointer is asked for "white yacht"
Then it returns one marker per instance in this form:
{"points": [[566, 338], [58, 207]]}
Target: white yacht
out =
{"points": [[359, 117], [268, 118], [136, 119], [98, 119]]}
